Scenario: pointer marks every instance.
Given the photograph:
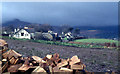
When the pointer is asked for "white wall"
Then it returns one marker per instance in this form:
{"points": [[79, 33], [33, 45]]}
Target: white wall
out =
{"points": [[26, 35]]}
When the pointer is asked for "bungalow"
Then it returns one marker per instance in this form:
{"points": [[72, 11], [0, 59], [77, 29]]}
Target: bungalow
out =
{"points": [[26, 33]]}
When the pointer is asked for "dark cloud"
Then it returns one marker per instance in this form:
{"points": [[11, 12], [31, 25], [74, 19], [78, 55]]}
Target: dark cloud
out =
{"points": [[57, 13]]}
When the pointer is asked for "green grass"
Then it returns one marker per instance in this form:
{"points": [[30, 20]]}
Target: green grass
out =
{"points": [[96, 41], [61, 43]]}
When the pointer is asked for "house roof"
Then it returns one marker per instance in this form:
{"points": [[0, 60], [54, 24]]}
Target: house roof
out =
{"points": [[31, 30]]}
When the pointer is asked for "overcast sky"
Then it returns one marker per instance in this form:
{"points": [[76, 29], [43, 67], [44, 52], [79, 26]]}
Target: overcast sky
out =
{"points": [[58, 13]]}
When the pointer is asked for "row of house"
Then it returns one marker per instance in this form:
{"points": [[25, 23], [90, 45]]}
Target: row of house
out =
{"points": [[29, 33]]}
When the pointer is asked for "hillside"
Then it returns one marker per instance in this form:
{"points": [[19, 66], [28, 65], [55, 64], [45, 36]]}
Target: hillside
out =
{"points": [[16, 23]]}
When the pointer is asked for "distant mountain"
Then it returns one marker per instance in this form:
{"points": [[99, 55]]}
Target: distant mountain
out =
{"points": [[16, 23], [108, 32], [114, 27]]}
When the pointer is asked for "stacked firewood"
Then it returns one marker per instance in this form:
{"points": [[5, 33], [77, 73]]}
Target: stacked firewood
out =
{"points": [[50, 64]]}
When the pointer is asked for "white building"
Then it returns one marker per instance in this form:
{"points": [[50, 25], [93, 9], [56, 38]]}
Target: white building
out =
{"points": [[23, 33]]}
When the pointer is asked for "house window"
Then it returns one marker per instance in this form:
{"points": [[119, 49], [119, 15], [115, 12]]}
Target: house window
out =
{"points": [[22, 34], [26, 34]]}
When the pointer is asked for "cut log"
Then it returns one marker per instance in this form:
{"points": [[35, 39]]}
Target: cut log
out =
{"points": [[31, 64], [63, 63], [15, 54], [0, 63], [4, 60], [49, 62], [49, 56], [26, 62], [10, 54], [24, 67], [0, 70], [14, 68], [77, 67], [84, 65], [45, 58], [0, 67], [53, 65], [4, 66], [56, 69], [3, 42], [66, 69], [39, 69], [55, 57], [51, 69], [16, 61], [74, 60], [36, 58], [12, 60]]}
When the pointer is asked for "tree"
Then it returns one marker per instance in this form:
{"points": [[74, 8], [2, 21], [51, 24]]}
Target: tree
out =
{"points": [[66, 28], [71, 29], [76, 31], [9, 28], [43, 28], [39, 36]]}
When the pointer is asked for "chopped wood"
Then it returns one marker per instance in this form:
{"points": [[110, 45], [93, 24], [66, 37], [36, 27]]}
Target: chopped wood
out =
{"points": [[84, 65], [56, 69], [10, 54], [0, 63], [31, 64], [3, 42], [49, 64], [55, 56], [63, 63], [77, 67], [66, 69], [26, 62], [74, 60], [36, 58], [53, 65], [12, 60], [0, 70], [14, 68], [16, 61], [49, 56], [51, 69], [4, 60], [0, 67], [39, 69], [24, 67], [4, 66]]}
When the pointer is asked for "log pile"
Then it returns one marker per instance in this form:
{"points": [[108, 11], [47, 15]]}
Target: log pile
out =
{"points": [[50, 64]]}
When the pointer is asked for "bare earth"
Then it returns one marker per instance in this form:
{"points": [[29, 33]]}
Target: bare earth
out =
{"points": [[96, 60]]}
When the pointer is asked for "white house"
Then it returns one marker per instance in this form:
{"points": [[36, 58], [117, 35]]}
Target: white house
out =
{"points": [[23, 33]]}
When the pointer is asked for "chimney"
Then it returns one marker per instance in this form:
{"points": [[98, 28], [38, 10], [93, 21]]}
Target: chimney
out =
{"points": [[25, 27], [62, 32], [15, 30], [18, 29]]}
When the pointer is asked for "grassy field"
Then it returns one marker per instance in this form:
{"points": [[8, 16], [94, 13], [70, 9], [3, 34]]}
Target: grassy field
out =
{"points": [[58, 43], [96, 41]]}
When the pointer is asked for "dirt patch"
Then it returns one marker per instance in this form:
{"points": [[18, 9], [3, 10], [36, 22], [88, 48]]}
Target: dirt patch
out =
{"points": [[96, 60]]}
